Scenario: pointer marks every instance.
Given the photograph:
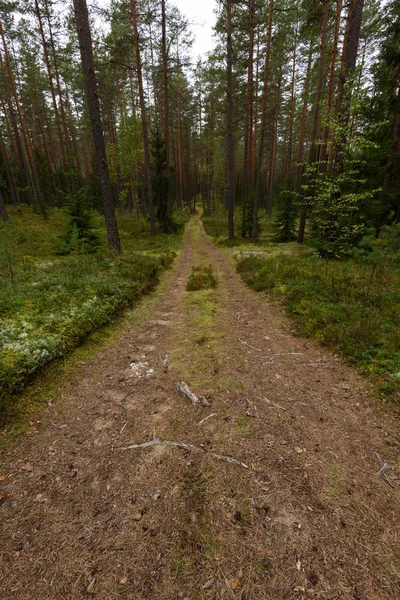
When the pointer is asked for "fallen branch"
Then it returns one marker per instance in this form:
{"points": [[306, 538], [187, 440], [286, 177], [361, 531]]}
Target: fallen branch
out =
{"points": [[249, 345], [268, 401], [383, 472], [158, 442], [286, 353], [207, 417], [185, 391]]}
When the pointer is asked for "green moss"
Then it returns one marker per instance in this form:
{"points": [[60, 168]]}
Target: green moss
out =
{"points": [[49, 304]]}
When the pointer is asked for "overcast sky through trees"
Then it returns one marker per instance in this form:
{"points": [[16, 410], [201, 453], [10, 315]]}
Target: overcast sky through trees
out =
{"points": [[202, 18]]}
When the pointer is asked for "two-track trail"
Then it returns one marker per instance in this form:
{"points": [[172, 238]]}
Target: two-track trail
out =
{"points": [[315, 516]]}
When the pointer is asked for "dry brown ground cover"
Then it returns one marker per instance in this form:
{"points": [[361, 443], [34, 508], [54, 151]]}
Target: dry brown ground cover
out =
{"points": [[315, 516]]}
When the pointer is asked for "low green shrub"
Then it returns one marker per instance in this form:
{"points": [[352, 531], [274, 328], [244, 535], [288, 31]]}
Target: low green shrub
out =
{"points": [[50, 303], [201, 278], [345, 305]]}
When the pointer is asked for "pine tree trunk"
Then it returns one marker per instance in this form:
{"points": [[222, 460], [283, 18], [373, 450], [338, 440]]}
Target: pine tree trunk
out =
{"points": [[42, 137], [257, 193], [144, 121], [312, 154], [10, 179], [254, 148], [230, 165], [179, 150], [329, 97], [17, 139], [153, 71], [271, 180], [74, 142], [166, 103], [289, 155], [3, 211], [30, 158], [248, 133], [346, 78], [303, 123], [50, 76], [390, 165], [59, 93], [89, 76]]}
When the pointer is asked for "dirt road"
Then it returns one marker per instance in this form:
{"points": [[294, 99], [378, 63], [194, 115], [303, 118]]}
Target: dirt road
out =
{"points": [[316, 514]]}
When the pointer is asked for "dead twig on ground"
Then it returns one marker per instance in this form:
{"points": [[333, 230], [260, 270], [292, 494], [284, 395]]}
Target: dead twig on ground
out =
{"points": [[185, 391], [190, 447], [207, 417], [385, 467], [268, 401], [249, 345]]}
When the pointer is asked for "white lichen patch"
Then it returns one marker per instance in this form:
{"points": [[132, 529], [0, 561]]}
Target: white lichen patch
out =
{"points": [[140, 368]]}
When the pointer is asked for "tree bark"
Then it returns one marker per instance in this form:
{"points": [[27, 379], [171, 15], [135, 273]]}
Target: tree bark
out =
{"points": [[3, 211], [390, 165], [30, 158], [271, 180], [89, 76], [10, 179], [329, 97], [50, 75], [317, 101], [166, 102], [248, 133], [17, 139], [145, 133], [288, 163], [229, 142], [346, 79], [60, 96], [257, 193]]}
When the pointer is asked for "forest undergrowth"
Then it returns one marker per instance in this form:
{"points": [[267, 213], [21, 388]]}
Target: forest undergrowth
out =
{"points": [[49, 303], [351, 305]]}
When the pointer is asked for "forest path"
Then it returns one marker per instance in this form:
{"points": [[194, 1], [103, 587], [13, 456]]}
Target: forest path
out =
{"points": [[310, 518]]}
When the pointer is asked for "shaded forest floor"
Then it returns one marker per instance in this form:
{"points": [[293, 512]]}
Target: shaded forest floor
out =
{"points": [[315, 516]]}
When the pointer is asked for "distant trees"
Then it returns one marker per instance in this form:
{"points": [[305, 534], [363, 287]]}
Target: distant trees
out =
{"points": [[298, 104], [305, 100], [136, 81]]}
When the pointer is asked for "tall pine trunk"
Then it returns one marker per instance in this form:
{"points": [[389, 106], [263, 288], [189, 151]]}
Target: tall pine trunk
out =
{"points": [[230, 165], [257, 193], [346, 79], [271, 179], [144, 121], [30, 158], [3, 211], [16, 138], [166, 103], [329, 96], [390, 164], [10, 179], [312, 154], [89, 76], [50, 76], [248, 132]]}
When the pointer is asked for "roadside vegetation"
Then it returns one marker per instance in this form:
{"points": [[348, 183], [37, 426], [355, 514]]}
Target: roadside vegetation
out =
{"points": [[58, 284], [201, 278], [351, 304]]}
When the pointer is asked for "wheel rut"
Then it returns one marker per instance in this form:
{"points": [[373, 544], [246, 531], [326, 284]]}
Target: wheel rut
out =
{"points": [[313, 517]]}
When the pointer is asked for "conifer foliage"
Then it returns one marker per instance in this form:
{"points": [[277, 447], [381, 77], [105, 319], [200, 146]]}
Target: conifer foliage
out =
{"points": [[294, 114]]}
